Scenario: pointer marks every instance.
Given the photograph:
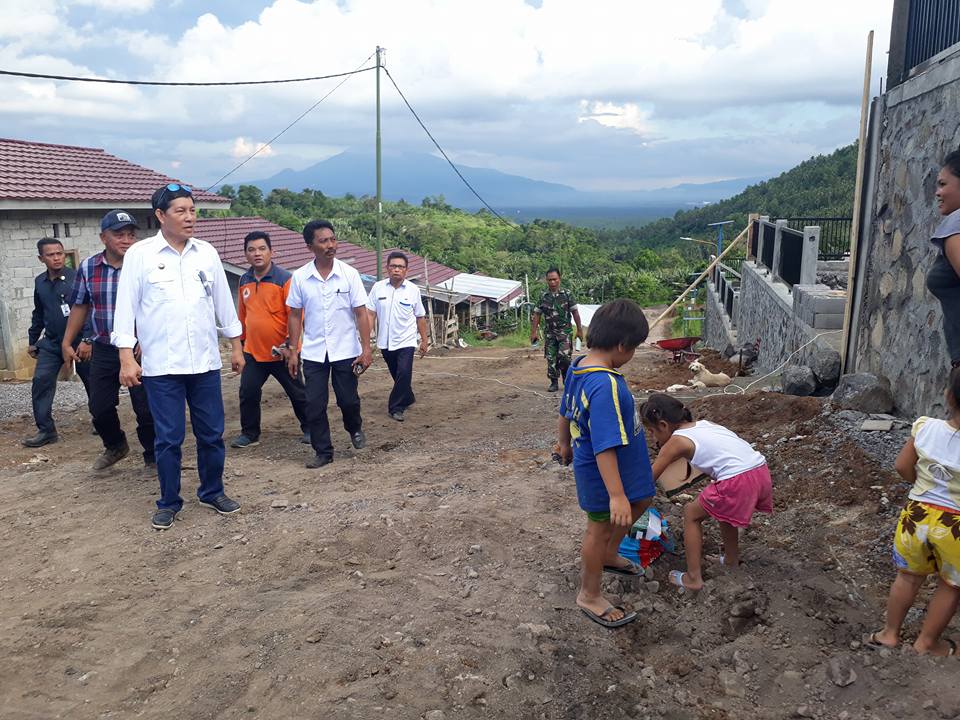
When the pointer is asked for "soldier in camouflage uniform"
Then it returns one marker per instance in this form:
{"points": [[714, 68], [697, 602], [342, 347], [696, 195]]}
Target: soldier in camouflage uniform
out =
{"points": [[556, 307]]}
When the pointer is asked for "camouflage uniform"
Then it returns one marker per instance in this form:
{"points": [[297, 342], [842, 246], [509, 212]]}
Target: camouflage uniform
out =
{"points": [[556, 311]]}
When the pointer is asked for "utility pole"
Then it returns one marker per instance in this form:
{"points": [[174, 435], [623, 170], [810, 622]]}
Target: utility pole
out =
{"points": [[379, 174]]}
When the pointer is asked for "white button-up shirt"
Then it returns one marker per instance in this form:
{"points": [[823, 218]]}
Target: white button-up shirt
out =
{"points": [[329, 322], [171, 302], [397, 311]]}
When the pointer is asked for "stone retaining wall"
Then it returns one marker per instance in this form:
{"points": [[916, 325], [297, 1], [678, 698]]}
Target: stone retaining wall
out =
{"points": [[899, 330]]}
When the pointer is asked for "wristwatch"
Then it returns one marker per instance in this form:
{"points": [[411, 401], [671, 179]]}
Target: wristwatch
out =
{"points": [[88, 341]]}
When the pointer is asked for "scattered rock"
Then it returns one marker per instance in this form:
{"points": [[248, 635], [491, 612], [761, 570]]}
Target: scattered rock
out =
{"points": [[435, 715], [534, 629], [279, 504], [732, 684], [825, 365], [471, 573], [877, 425], [840, 672], [798, 380], [744, 609], [863, 392]]}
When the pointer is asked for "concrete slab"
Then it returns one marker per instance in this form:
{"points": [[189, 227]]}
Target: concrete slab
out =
{"points": [[827, 322], [877, 425]]}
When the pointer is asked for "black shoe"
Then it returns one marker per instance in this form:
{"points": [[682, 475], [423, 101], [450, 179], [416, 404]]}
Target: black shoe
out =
{"points": [[93, 429], [306, 438], [398, 415], [40, 439], [242, 441], [319, 461], [150, 465], [163, 519], [359, 440], [111, 456], [222, 504], [553, 387]]}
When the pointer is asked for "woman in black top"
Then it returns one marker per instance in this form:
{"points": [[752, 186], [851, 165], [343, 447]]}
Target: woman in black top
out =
{"points": [[943, 280]]}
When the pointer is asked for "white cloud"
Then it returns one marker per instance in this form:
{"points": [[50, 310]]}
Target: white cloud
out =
{"points": [[243, 148], [500, 81], [131, 6]]}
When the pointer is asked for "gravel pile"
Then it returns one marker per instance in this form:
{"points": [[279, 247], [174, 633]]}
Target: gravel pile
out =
{"points": [[15, 400], [883, 445]]}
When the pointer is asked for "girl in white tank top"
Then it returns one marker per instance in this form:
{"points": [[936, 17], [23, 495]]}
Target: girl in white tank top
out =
{"points": [[740, 480]]}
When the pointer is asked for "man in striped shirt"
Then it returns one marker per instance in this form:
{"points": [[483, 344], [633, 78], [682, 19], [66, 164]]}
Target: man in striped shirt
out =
{"points": [[95, 294]]}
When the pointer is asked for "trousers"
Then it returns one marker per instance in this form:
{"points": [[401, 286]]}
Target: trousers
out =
{"points": [[340, 375], [105, 397], [255, 374], [202, 394], [44, 387], [400, 364]]}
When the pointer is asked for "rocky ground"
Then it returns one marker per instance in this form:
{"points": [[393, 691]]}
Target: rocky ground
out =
{"points": [[433, 574]]}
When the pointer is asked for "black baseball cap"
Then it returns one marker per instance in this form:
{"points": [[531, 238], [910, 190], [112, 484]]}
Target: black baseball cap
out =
{"points": [[116, 219]]}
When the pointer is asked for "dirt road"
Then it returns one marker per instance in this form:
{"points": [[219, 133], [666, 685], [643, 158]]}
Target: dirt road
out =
{"points": [[433, 575]]}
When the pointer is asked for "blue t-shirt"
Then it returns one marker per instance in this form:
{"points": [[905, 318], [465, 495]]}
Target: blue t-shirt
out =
{"points": [[602, 415]]}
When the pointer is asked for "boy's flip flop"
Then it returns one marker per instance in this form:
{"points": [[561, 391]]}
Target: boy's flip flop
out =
{"points": [[870, 641], [631, 570], [600, 619]]}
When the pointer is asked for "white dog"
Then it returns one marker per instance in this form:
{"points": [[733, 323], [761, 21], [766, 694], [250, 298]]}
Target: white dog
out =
{"points": [[709, 379]]}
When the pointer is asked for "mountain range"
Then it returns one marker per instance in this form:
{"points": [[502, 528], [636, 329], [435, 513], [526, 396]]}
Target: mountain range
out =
{"points": [[414, 176]]}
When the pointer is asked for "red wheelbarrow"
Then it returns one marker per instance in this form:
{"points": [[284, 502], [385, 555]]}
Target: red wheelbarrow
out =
{"points": [[682, 348]]}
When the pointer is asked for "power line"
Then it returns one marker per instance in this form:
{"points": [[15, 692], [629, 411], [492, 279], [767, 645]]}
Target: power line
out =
{"points": [[70, 78], [346, 76], [449, 161]]}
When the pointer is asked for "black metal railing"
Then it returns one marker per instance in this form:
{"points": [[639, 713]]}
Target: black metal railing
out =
{"points": [[932, 27], [728, 301], [834, 235], [766, 250], [754, 238], [791, 256]]}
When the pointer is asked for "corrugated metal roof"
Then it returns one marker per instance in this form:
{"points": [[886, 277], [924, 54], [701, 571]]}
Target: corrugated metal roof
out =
{"points": [[483, 286]]}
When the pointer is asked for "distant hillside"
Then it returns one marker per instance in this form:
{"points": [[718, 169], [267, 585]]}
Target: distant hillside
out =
{"points": [[415, 176], [819, 187]]}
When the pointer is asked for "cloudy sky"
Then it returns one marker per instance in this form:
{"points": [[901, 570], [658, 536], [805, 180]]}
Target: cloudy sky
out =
{"points": [[605, 94]]}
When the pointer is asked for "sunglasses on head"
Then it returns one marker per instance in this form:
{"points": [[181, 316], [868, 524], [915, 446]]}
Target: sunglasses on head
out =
{"points": [[172, 188]]}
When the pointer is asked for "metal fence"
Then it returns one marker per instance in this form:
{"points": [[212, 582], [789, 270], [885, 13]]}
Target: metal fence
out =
{"points": [[834, 234], [932, 27], [766, 251], [791, 256]]}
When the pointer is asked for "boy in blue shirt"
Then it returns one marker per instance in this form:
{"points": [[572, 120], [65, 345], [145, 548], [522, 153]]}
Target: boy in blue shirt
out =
{"points": [[598, 427]]}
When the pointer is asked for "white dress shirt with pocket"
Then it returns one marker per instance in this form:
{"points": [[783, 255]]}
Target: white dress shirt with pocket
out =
{"points": [[170, 302], [397, 311], [329, 322]]}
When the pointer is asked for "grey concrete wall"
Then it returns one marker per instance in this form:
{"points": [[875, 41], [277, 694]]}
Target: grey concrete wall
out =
{"points": [[718, 331], [766, 312], [19, 265], [899, 329]]}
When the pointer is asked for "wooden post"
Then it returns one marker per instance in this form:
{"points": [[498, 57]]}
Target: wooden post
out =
{"points": [[426, 282], [857, 204], [704, 274]]}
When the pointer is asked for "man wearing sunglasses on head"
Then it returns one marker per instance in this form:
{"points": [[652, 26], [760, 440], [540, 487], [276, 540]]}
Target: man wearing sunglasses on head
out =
{"points": [[333, 301], [173, 298]]}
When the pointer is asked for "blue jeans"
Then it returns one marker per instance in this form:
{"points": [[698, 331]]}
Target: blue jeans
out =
{"points": [[167, 395]]}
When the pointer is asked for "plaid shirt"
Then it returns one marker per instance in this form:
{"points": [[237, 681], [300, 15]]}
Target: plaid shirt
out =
{"points": [[96, 285]]}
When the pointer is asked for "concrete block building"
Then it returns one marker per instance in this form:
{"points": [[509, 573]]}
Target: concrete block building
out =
{"points": [[60, 191]]}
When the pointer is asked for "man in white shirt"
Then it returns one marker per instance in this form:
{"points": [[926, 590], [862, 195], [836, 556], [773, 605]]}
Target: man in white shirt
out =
{"points": [[333, 300], [170, 296], [398, 306]]}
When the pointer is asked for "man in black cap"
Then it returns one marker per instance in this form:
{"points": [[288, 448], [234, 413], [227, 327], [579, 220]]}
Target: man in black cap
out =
{"points": [[50, 312], [95, 288]]}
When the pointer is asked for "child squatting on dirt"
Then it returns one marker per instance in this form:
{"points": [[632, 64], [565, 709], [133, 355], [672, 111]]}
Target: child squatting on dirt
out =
{"points": [[609, 451], [927, 539], [739, 480]]}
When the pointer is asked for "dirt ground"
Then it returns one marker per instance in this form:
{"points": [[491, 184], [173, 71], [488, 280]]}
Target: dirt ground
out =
{"points": [[433, 574]]}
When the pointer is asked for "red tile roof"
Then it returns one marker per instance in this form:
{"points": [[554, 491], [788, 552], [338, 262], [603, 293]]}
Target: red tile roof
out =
{"points": [[31, 171], [289, 250]]}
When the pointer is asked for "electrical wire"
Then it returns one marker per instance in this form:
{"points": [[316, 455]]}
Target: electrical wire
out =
{"points": [[71, 78], [445, 157], [346, 76]]}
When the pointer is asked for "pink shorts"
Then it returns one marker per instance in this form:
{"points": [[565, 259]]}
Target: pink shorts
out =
{"points": [[736, 499]]}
